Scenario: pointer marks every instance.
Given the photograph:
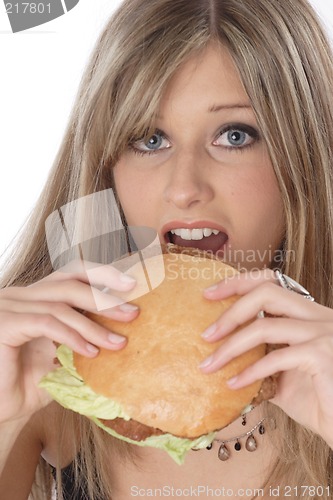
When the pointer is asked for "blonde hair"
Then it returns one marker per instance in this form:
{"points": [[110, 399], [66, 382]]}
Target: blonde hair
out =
{"points": [[285, 63]]}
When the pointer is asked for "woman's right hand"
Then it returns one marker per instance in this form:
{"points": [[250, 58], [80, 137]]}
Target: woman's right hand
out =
{"points": [[33, 318]]}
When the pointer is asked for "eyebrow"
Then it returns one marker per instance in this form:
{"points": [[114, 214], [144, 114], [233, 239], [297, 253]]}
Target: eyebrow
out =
{"points": [[218, 107]]}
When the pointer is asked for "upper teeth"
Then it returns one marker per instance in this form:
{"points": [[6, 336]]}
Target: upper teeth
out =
{"points": [[194, 234]]}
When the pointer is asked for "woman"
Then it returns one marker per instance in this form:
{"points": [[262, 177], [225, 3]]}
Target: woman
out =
{"points": [[198, 114]]}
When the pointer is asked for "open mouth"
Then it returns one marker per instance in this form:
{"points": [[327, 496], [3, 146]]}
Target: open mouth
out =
{"points": [[205, 239]]}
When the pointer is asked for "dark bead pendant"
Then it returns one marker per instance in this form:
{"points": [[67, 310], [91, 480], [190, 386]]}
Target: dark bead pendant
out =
{"points": [[251, 443], [261, 429], [223, 453], [238, 446], [244, 420], [209, 447]]}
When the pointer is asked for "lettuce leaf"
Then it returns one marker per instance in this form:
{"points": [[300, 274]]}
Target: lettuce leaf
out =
{"points": [[68, 389], [176, 447]]}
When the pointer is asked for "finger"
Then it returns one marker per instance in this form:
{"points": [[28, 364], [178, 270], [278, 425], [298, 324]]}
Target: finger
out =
{"points": [[18, 329], [263, 331], [75, 330], [239, 284], [74, 293], [300, 357], [95, 274], [273, 300], [64, 312]]}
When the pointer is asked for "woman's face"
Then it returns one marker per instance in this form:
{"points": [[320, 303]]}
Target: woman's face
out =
{"points": [[206, 168]]}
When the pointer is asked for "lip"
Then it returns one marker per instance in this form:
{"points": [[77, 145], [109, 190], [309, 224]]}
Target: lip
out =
{"points": [[177, 224]]}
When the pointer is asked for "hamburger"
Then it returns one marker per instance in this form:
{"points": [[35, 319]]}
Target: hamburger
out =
{"points": [[152, 393]]}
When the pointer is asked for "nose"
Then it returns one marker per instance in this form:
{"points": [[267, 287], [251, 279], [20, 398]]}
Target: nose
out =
{"points": [[188, 183]]}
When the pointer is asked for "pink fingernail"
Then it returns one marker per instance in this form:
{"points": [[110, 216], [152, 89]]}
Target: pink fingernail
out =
{"points": [[125, 278], [209, 331], [116, 339], [211, 288], [128, 307], [92, 348], [207, 362], [232, 381]]}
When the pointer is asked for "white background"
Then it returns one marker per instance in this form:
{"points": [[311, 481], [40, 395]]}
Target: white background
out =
{"points": [[40, 72]]}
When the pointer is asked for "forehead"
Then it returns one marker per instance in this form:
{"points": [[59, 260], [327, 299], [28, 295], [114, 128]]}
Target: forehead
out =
{"points": [[211, 77]]}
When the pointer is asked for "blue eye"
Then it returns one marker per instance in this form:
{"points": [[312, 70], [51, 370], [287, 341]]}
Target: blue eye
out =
{"points": [[155, 143], [237, 137]]}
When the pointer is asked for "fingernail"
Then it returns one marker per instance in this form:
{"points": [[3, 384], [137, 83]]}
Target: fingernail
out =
{"points": [[209, 331], [232, 381], [92, 348], [128, 307], [125, 278], [211, 288], [208, 361], [116, 339]]}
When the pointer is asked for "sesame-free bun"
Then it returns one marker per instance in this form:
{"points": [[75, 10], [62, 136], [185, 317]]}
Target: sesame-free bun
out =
{"points": [[156, 378]]}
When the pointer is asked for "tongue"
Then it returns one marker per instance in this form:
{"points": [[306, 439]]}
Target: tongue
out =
{"points": [[211, 243]]}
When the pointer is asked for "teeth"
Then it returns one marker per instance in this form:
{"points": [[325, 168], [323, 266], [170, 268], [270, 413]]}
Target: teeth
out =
{"points": [[194, 234], [207, 231], [197, 234]]}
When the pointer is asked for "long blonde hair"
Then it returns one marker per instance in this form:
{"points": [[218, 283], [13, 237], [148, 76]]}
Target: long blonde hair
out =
{"points": [[285, 62]]}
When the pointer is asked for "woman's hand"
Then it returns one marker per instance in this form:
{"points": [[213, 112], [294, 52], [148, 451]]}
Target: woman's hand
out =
{"points": [[305, 384], [33, 318]]}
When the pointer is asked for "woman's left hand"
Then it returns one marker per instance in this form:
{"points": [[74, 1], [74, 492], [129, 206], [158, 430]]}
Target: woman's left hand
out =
{"points": [[305, 383]]}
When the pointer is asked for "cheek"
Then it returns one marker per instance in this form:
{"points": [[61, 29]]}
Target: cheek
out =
{"points": [[269, 216], [266, 190], [258, 204], [260, 229], [133, 193], [256, 194], [271, 200]]}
